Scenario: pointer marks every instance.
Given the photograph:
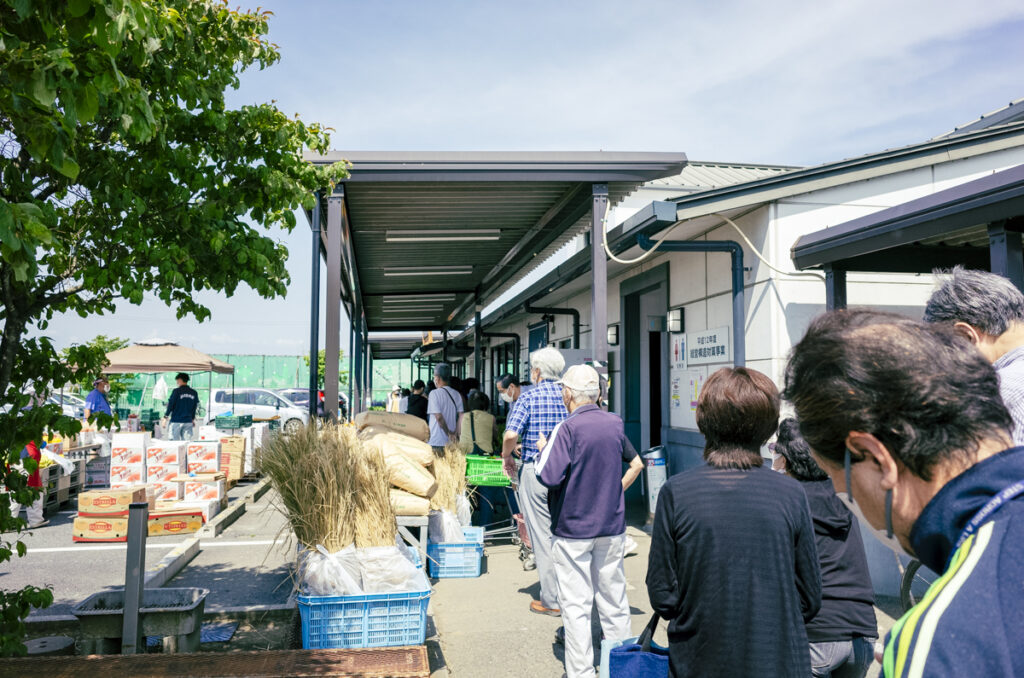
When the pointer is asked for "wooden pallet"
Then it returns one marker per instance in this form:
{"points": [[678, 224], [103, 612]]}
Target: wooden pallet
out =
{"points": [[399, 662]]}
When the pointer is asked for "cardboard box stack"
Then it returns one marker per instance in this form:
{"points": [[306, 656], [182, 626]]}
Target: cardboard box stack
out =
{"points": [[166, 459], [204, 456], [103, 514], [232, 456], [128, 459]]}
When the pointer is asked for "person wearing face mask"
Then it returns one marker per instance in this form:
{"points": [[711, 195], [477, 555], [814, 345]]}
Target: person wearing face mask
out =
{"points": [[842, 635], [988, 310], [96, 401], [733, 565], [509, 389], [536, 413], [909, 424]]}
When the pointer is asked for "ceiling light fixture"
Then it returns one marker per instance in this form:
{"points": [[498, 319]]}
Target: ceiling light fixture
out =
{"points": [[420, 299], [410, 271], [405, 309], [444, 235]]}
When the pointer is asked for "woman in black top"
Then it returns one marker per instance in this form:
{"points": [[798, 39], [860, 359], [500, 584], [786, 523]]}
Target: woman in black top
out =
{"points": [[417, 401], [843, 633], [733, 565]]}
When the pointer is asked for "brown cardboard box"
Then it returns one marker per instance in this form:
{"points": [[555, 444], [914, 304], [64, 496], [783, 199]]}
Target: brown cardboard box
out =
{"points": [[232, 444], [105, 502], [175, 522], [100, 528]]}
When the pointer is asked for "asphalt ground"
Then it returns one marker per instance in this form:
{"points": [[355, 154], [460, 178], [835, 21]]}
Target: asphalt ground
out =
{"points": [[77, 570]]}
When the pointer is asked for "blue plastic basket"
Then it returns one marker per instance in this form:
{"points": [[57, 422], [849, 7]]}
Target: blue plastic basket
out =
{"points": [[372, 620], [450, 560]]}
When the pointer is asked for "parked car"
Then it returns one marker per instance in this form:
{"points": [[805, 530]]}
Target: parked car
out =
{"points": [[261, 403], [72, 405], [299, 396]]}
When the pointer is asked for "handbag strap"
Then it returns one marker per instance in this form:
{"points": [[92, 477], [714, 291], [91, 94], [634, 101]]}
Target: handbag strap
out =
{"points": [[644, 641]]}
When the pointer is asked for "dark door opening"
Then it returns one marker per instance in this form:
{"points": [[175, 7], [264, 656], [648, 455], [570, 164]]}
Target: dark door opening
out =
{"points": [[654, 386]]}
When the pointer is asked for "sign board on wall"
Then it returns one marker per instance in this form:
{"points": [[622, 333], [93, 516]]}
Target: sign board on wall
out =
{"points": [[684, 389], [708, 347], [677, 357]]}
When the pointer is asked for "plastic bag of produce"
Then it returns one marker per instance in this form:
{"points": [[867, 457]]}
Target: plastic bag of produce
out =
{"points": [[444, 527], [385, 569], [407, 424], [407, 475], [329, 574], [66, 464], [464, 510], [407, 504]]}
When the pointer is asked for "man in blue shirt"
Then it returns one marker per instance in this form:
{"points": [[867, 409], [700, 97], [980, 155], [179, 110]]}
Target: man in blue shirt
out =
{"points": [[96, 401], [181, 408], [581, 465], [536, 414]]}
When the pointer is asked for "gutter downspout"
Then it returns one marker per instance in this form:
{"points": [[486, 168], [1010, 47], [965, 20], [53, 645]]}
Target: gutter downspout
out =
{"points": [[739, 350], [516, 346], [559, 311]]}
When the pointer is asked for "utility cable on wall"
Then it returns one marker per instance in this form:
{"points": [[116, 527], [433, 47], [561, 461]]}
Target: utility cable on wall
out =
{"points": [[725, 219]]}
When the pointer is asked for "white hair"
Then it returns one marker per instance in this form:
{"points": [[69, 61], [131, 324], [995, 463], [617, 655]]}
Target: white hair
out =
{"points": [[583, 396], [549, 361]]}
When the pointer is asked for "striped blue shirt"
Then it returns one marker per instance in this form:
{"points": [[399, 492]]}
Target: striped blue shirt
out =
{"points": [[536, 412], [1010, 368]]}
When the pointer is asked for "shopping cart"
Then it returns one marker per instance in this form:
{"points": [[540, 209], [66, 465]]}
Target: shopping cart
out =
{"points": [[488, 472]]}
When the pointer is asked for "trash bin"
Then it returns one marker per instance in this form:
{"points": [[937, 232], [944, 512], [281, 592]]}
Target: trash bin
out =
{"points": [[655, 475]]}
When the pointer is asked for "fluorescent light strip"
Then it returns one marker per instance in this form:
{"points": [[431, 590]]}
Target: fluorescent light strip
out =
{"points": [[407, 321], [411, 272], [406, 309], [421, 299], [441, 235]]}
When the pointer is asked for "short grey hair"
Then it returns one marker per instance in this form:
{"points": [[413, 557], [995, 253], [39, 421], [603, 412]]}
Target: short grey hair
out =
{"points": [[986, 301], [443, 371], [549, 361], [583, 396]]}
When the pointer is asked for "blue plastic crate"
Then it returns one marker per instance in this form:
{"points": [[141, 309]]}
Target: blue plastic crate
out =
{"points": [[371, 620], [450, 560]]}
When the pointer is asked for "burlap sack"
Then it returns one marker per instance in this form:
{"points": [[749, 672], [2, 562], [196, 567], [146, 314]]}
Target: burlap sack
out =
{"points": [[406, 504], [406, 424], [410, 476]]}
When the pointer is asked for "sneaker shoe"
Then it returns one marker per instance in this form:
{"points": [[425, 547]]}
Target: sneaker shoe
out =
{"points": [[530, 563], [42, 523], [630, 546], [537, 607], [560, 635]]}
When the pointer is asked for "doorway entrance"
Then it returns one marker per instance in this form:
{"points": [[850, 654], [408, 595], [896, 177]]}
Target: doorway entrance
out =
{"points": [[644, 359]]}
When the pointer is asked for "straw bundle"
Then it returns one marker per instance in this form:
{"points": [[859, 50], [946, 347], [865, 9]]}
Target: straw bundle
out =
{"points": [[450, 472], [332, 489]]}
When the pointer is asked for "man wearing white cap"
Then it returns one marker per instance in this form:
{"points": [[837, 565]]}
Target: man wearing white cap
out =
{"points": [[581, 465]]}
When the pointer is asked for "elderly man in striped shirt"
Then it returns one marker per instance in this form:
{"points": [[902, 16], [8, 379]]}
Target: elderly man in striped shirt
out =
{"points": [[536, 414]]}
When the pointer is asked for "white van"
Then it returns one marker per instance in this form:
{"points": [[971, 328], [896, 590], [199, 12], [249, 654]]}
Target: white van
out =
{"points": [[261, 403]]}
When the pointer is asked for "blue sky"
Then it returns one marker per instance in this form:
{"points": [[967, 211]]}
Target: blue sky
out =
{"points": [[782, 82]]}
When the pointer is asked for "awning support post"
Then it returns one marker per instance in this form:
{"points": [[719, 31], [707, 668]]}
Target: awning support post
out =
{"points": [[1005, 255], [355, 404], [599, 272], [835, 288], [332, 342], [739, 334], [478, 337], [314, 313]]}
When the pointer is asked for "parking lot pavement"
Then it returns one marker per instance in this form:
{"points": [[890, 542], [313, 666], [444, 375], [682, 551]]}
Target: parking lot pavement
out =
{"points": [[76, 570]]}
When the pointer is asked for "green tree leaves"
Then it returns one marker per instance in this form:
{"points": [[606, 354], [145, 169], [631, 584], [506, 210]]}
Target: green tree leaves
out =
{"points": [[123, 171]]}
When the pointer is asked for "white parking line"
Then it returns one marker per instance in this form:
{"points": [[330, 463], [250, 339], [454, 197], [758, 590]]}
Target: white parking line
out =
{"points": [[122, 547]]}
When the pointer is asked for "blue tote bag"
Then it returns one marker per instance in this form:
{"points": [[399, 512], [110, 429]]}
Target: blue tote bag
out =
{"points": [[642, 659]]}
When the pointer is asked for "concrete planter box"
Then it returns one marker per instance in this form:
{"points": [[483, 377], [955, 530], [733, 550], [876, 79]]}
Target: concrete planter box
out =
{"points": [[175, 614]]}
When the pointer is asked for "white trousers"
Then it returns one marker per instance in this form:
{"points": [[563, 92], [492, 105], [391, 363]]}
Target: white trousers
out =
{"points": [[34, 511], [533, 502], [589, 571]]}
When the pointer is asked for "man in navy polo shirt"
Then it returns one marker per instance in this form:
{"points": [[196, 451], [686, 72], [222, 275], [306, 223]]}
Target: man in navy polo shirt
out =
{"points": [[581, 465]]}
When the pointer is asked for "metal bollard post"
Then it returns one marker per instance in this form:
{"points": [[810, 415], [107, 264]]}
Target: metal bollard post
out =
{"points": [[132, 641]]}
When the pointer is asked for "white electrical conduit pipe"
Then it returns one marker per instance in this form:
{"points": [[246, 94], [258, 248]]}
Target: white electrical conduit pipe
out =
{"points": [[657, 243]]}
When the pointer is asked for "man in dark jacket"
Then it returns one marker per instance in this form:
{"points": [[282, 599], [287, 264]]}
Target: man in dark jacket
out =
{"points": [[910, 425], [181, 408], [417, 404], [843, 633]]}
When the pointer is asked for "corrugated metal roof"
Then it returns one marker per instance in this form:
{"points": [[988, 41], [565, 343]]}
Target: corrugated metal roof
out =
{"points": [[432, 232], [704, 176], [1012, 112]]}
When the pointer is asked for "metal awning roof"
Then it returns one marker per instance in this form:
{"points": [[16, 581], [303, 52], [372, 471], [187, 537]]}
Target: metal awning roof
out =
{"points": [[936, 231], [434, 234], [384, 346]]}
